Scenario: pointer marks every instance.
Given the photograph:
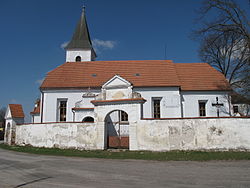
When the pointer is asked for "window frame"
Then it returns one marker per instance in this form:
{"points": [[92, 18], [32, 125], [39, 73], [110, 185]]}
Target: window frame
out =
{"points": [[78, 58], [123, 116], [88, 117], [202, 113], [156, 115], [59, 101]]}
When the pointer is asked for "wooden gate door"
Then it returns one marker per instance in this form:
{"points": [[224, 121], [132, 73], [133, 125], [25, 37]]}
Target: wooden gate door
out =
{"points": [[118, 135]]}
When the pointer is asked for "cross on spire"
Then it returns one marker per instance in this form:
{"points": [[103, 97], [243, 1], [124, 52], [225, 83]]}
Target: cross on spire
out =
{"points": [[217, 105]]}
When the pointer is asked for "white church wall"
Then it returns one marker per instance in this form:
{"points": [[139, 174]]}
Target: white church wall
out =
{"points": [[190, 101], [50, 106], [170, 101], [87, 102], [60, 135], [81, 114], [193, 134], [72, 54], [35, 118]]}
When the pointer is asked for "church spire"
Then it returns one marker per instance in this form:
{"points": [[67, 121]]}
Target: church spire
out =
{"points": [[81, 42]]}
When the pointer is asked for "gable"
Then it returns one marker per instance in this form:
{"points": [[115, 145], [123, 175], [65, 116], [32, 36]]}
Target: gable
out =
{"points": [[117, 88], [117, 82], [15, 111], [8, 113]]}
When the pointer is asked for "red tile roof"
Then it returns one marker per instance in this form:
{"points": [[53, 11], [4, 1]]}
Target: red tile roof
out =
{"points": [[16, 110], [36, 109], [144, 73], [200, 76]]}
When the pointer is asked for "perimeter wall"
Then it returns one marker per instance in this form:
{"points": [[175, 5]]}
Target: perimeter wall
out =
{"points": [[155, 135]]}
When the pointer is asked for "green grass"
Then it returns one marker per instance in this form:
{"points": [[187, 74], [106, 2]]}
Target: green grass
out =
{"points": [[142, 155]]}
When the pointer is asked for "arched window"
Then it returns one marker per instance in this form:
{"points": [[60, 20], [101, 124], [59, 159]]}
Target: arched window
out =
{"points": [[88, 119], [78, 58]]}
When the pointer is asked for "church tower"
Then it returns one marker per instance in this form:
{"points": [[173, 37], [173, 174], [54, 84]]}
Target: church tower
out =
{"points": [[80, 47]]}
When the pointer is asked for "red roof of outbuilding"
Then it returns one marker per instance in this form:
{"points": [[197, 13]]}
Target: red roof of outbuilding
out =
{"points": [[143, 73], [36, 109], [16, 110]]}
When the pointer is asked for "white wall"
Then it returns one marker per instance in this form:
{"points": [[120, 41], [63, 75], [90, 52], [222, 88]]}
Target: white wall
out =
{"points": [[81, 114], [191, 104], [50, 103], [193, 134], [60, 135], [155, 135], [9, 124], [35, 118], [72, 54], [170, 102]]}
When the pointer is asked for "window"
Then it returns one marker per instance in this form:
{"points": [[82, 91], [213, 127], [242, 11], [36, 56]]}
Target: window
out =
{"points": [[156, 107], [62, 110], [235, 109], [78, 58], [123, 116], [88, 119], [202, 108]]}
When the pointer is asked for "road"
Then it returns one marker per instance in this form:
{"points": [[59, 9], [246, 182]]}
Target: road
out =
{"points": [[30, 170]]}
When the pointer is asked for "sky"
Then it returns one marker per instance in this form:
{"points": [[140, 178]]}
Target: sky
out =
{"points": [[33, 33]]}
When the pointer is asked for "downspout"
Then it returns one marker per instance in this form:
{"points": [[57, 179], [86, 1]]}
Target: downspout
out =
{"points": [[141, 111], [181, 102], [42, 101]]}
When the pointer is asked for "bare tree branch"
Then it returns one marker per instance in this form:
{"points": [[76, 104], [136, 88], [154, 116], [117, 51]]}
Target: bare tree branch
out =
{"points": [[225, 41]]}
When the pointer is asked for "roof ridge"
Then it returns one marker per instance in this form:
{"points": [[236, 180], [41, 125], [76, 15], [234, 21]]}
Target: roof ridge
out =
{"points": [[171, 61]]}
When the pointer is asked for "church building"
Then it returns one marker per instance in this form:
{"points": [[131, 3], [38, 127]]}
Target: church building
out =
{"points": [[156, 105], [165, 89]]}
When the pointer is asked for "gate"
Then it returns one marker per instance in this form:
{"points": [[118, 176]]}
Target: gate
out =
{"points": [[118, 130]]}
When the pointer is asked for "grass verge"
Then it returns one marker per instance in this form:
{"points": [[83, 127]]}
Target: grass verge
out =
{"points": [[142, 155]]}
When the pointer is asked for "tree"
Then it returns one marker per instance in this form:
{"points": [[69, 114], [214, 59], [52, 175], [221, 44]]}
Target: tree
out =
{"points": [[2, 115], [228, 54], [225, 41]]}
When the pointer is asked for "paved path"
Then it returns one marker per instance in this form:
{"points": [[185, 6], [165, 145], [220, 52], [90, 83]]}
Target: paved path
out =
{"points": [[28, 170]]}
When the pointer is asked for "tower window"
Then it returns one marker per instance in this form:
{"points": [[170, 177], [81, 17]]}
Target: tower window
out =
{"points": [[78, 59]]}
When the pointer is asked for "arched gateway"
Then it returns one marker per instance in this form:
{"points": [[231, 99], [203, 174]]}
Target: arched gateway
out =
{"points": [[118, 133], [118, 109], [117, 128]]}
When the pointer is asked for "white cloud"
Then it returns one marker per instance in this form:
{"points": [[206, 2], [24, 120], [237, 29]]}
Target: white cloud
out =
{"points": [[64, 44], [13, 101], [98, 44], [39, 81], [103, 44]]}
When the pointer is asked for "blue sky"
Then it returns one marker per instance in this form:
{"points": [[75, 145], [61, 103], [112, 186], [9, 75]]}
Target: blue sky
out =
{"points": [[32, 34]]}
